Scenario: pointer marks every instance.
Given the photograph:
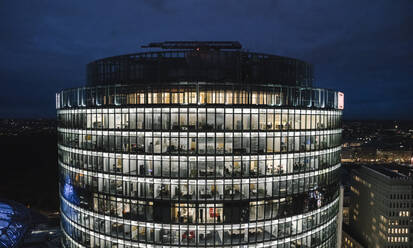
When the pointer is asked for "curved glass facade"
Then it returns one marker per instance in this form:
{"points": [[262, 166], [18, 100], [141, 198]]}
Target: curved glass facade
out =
{"points": [[199, 164], [15, 221]]}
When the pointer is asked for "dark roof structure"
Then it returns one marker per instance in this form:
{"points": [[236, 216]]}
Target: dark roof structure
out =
{"points": [[199, 61], [392, 171]]}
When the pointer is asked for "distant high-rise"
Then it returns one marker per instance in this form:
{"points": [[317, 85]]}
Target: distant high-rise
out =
{"points": [[380, 211], [200, 144]]}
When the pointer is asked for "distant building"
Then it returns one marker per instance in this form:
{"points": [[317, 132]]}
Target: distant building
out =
{"points": [[346, 208], [15, 221], [22, 227], [380, 211], [201, 145], [395, 155], [348, 240], [44, 232]]}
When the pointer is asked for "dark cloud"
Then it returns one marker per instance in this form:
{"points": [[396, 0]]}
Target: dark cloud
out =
{"points": [[362, 48]]}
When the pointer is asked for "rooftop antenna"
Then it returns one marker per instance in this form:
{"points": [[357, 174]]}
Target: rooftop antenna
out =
{"points": [[195, 45]]}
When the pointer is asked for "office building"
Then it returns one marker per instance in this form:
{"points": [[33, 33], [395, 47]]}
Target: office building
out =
{"points": [[347, 238], [199, 144], [380, 206]]}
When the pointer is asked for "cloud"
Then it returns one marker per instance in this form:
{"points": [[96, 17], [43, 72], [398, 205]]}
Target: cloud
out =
{"points": [[360, 47]]}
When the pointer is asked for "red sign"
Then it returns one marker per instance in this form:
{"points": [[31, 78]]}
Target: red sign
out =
{"points": [[340, 100]]}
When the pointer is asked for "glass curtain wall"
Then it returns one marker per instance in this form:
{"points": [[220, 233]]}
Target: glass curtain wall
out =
{"points": [[195, 165]]}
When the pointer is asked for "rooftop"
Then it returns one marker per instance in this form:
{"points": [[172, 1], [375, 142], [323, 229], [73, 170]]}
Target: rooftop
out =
{"points": [[195, 45], [199, 61], [14, 222], [393, 171]]}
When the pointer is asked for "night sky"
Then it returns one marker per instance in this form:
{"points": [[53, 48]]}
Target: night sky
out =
{"points": [[360, 47]]}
